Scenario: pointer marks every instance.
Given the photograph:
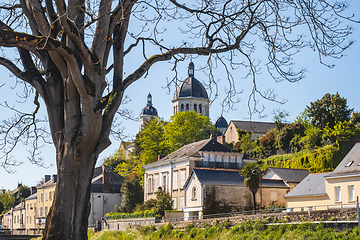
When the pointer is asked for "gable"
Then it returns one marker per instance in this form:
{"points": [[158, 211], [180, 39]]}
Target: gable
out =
{"points": [[269, 174]]}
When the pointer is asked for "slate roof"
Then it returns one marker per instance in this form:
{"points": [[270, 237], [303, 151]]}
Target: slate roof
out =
{"points": [[228, 177], [221, 122], [312, 185], [115, 180], [149, 109], [190, 87], [354, 157], [254, 127], [290, 175], [32, 196], [193, 149]]}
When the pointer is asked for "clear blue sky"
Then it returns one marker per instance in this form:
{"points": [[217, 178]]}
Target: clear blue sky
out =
{"points": [[319, 80]]}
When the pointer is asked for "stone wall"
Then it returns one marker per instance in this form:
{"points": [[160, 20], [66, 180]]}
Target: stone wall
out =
{"points": [[285, 217]]}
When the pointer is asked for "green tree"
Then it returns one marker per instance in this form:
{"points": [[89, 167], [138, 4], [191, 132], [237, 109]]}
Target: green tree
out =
{"points": [[187, 127], [7, 201], [251, 175], [163, 198], [287, 133], [132, 194], [151, 141], [23, 192], [355, 119], [279, 118], [340, 132], [245, 144], [329, 109]]}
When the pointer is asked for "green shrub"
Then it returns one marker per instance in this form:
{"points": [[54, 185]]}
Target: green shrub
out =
{"points": [[189, 227]]}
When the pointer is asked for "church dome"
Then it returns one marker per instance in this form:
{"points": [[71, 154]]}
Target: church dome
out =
{"points": [[149, 109], [221, 123], [190, 87]]}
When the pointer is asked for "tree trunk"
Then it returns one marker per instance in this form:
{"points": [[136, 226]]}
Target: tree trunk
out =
{"points": [[68, 216], [254, 201]]}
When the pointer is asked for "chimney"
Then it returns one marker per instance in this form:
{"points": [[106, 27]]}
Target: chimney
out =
{"points": [[33, 190], [54, 177], [105, 179], [47, 178]]}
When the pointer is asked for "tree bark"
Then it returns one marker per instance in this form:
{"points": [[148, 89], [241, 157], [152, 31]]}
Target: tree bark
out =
{"points": [[68, 216]]}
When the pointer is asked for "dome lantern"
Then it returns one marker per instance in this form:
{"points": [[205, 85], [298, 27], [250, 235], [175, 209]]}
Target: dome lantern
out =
{"points": [[191, 67]]}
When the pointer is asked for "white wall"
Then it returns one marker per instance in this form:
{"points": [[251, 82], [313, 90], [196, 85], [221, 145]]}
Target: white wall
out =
{"points": [[102, 203]]}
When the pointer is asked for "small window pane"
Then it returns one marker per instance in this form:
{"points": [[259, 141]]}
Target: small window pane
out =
{"points": [[349, 164], [337, 194], [351, 193]]}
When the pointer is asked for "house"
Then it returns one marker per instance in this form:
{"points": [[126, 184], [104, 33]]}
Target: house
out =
{"points": [[30, 214], [172, 171], [290, 176], [209, 191], [44, 198], [337, 189], [105, 193], [30, 203], [257, 129]]}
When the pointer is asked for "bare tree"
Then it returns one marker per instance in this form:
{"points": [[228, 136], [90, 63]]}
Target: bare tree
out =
{"points": [[72, 54]]}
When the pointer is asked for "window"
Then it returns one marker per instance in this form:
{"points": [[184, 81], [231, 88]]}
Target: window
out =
{"points": [[351, 191], [156, 182], [337, 194], [194, 193], [165, 184], [175, 180], [174, 203], [182, 178], [30, 220], [195, 107], [50, 197], [182, 203], [349, 164], [46, 196], [182, 107], [309, 208], [187, 107], [200, 108], [42, 197], [149, 190], [46, 211]]}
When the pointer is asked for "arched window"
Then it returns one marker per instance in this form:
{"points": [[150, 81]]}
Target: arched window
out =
{"points": [[187, 107], [182, 107], [194, 193], [200, 108], [195, 107]]}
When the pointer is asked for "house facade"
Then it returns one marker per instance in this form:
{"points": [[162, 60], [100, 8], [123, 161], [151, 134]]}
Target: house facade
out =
{"points": [[337, 189], [209, 191], [172, 171], [257, 129]]}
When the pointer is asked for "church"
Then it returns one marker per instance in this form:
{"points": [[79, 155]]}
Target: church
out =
{"points": [[190, 95]]}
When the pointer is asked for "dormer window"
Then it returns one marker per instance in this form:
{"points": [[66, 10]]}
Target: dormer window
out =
{"points": [[349, 164]]}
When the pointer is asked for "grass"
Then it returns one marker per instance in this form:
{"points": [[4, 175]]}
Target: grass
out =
{"points": [[249, 230]]}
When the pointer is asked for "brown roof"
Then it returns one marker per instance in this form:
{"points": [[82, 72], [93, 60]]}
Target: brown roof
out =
{"points": [[193, 149], [254, 127]]}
